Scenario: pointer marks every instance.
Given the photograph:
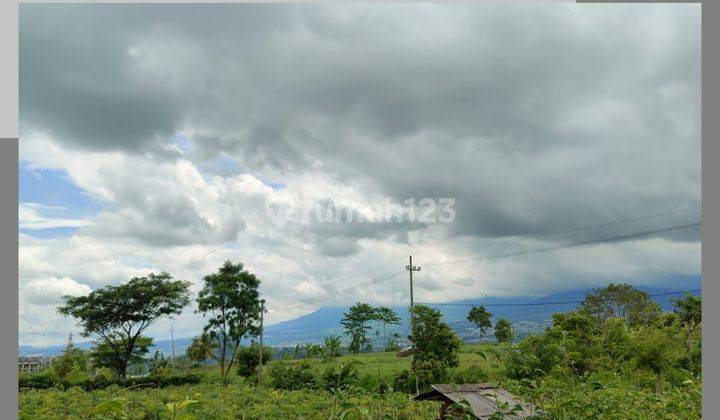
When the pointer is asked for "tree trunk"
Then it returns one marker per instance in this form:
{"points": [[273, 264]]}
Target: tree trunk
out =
{"points": [[658, 383]]}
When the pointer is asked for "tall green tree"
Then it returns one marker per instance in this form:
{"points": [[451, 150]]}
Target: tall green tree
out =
{"points": [[435, 344], [621, 301], [231, 303], [480, 318], [386, 316], [357, 324], [118, 315], [689, 312], [503, 331], [72, 358]]}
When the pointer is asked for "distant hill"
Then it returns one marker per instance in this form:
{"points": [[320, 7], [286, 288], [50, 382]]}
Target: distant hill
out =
{"points": [[313, 327]]}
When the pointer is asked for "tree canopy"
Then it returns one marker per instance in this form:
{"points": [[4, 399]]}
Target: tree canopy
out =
{"points": [[621, 301], [357, 323], [435, 344], [480, 317], [231, 302], [119, 314]]}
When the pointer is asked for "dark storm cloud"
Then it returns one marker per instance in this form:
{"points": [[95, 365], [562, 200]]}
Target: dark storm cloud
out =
{"points": [[533, 118]]}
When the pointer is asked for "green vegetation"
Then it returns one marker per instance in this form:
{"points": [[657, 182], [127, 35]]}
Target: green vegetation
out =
{"points": [[616, 356], [231, 302], [480, 318], [118, 315]]}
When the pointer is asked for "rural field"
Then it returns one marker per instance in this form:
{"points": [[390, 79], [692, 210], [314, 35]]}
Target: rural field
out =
{"points": [[562, 396]]}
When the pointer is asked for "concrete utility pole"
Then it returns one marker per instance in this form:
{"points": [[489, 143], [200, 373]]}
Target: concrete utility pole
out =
{"points": [[260, 358], [412, 268]]}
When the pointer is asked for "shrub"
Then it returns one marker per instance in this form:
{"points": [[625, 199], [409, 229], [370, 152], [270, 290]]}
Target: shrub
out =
{"points": [[48, 379], [293, 376], [247, 359]]}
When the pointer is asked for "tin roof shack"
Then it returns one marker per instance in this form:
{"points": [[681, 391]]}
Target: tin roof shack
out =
{"points": [[483, 401]]}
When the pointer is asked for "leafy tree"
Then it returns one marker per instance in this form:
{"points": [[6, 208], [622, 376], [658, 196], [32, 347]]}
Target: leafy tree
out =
{"points": [[332, 346], [202, 348], [357, 323], [653, 350], [481, 318], [230, 300], [386, 316], [621, 301], [70, 359], [106, 355], [119, 314], [248, 359], [689, 312], [435, 344], [504, 331]]}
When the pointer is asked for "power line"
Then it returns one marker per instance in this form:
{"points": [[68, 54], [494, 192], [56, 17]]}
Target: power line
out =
{"points": [[617, 238], [565, 302], [590, 227]]}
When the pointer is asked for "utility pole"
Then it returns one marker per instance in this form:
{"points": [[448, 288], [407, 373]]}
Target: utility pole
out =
{"points": [[260, 358], [412, 268], [172, 342]]}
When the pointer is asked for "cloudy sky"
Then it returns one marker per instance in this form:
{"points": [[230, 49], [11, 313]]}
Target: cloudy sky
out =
{"points": [[164, 137]]}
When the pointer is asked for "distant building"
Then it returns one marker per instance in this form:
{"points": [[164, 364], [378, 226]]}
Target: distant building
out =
{"points": [[33, 363]]}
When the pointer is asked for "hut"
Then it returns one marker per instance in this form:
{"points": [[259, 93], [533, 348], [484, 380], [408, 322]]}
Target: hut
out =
{"points": [[481, 400], [405, 352]]}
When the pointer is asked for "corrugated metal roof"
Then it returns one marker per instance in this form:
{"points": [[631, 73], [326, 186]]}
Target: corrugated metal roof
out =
{"points": [[485, 399]]}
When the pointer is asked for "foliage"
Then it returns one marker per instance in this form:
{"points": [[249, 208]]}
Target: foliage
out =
{"points": [[293, 377], [119, 314], [332, 348], [435, 345], [504, 332], [689, 311], [621, 301], [248, 358], [356, 322], [386, 316], [201, 348], [344, 377], [47, 379], [71, 361], [230, 300], [480, 318], [106, 355]]}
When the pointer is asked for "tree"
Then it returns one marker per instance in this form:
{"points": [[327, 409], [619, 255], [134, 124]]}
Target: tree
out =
{"points": [[231, 302], [481, 318], [201, 348], [332, 347], [621, 301], [72, 358], [435, 344], [689, 312], [653, 350], [503, 331], [356, 323], [119, 314], [386, 316], [105, 354]]}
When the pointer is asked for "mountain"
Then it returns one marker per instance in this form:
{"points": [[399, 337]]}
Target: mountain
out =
{"points": [[523, 311]]}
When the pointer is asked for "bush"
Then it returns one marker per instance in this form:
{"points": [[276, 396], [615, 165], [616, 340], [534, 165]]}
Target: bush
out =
{"points": [[293, 376], [404, 381], [343, 378], [48, 379], [247, 359]]}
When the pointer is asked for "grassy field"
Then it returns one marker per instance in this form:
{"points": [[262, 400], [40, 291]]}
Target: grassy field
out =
{"points": [[603, 395]]}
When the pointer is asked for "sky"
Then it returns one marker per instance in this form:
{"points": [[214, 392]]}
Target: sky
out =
{"points": [[175, 137]]}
